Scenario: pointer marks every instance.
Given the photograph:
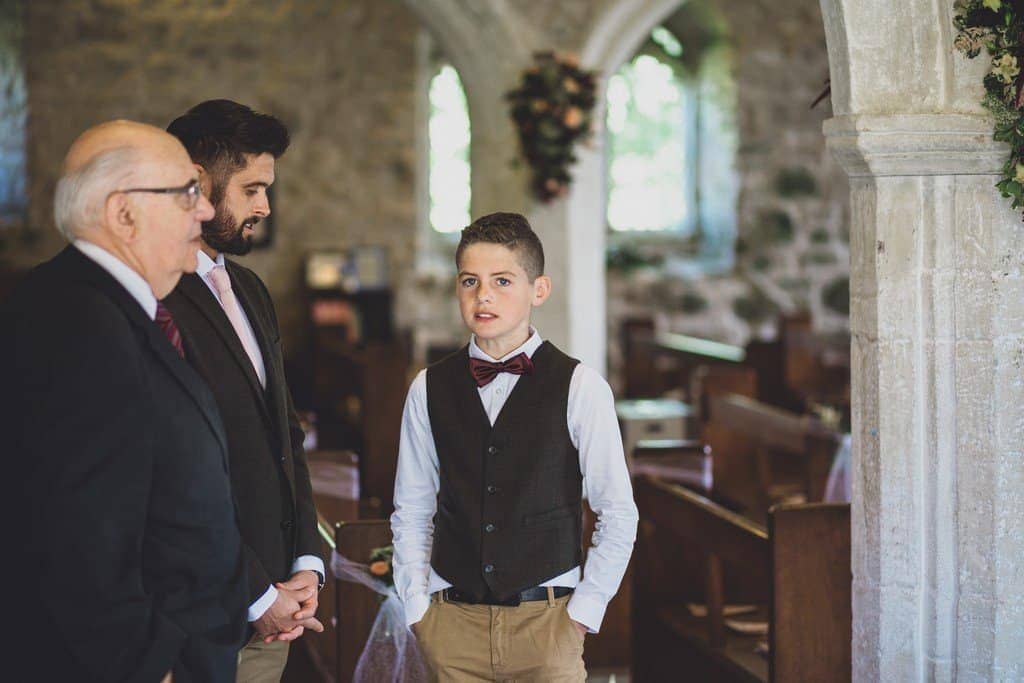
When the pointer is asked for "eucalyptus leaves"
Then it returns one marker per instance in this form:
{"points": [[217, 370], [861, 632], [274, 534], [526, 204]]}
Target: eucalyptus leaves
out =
{"points": [[997, 26]]}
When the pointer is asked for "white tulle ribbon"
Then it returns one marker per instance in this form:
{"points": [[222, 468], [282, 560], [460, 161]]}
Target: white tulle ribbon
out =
{"points": [[391, 654]]}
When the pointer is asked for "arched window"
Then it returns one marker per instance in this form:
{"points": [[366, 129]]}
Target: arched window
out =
{"points": [[672, 143], [449, 137]]}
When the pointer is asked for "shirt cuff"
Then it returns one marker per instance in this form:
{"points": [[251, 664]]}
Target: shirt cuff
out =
{"points": [[416, 607], [587, 610], [310, 562], [258, 608]]}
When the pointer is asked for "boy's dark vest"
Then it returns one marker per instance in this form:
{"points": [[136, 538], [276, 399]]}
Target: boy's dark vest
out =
{"points": [[508, 510]]}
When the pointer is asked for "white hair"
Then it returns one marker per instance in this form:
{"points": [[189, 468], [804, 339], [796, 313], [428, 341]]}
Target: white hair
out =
{"points": [[81, 195]]}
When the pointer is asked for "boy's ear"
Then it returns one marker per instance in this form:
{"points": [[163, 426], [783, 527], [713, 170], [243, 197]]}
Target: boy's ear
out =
{"points": [[541, 289]]}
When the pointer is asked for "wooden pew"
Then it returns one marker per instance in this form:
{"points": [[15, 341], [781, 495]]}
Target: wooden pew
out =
{"points": [[815, 368], [801, 589], [761, 454], [796, 369], [811, 596], [688, 461], [355, 604]]}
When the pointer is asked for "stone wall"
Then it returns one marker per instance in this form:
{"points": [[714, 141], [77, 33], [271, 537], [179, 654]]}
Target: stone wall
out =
{"points": [[344, 78], [793, 225], [340, 74]]}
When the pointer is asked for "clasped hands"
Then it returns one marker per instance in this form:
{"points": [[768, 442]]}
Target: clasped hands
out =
{"points": [[293, 611]]}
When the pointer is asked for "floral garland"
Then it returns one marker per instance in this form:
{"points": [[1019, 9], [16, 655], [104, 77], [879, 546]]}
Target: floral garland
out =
{"points": [[997, 26], [552, 111]]}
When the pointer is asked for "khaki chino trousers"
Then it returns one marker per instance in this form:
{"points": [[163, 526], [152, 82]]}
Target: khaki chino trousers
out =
{"points": [[536, 641]]}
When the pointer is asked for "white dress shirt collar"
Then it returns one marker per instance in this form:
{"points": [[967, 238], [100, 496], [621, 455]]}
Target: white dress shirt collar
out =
{"points": [[206, 264], [528, 347], [120, 271]]}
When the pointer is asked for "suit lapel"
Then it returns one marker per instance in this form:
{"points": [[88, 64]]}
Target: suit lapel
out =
{"points": [[266, 338], [196, 291], [155, 339]]}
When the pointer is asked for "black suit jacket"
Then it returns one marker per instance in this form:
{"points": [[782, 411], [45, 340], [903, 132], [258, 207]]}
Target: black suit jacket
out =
{"points": [[268, 465], [127, 548]]}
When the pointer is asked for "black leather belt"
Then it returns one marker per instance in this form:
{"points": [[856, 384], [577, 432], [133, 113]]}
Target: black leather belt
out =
{"points": [[528, 595]]}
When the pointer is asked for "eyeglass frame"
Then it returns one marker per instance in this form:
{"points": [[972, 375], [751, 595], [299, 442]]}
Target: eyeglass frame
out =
{"points": [[190, 190]]}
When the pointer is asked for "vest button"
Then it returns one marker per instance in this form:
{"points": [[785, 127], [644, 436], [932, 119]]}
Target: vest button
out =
{"points": [[490, 528], [488, 569], [493, 450], [492, 489]]}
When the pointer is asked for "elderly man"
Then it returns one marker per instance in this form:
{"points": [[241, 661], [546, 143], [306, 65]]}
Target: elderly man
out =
{"points": [[127, 546]]}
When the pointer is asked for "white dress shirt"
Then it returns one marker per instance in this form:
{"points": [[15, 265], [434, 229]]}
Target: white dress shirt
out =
{"points": [[594, 431], [119, 270], [311, 562]]}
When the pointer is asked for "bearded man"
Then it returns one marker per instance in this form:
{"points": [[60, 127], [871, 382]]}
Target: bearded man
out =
{"points": [[231, 337]]}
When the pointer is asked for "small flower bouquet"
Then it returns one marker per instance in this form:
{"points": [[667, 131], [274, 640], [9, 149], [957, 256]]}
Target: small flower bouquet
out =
{"points": [[380, 564], [997, 26], [552, 111]]}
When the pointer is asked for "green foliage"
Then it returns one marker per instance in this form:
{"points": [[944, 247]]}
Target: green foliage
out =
{"points": [[997, 26]]}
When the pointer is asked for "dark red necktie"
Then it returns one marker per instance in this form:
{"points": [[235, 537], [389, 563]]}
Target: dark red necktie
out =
{"points": [[484, 371], [166, 322]]}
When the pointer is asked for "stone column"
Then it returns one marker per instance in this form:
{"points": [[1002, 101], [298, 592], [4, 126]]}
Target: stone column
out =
{"points": [[937, 319], [937, 322]]}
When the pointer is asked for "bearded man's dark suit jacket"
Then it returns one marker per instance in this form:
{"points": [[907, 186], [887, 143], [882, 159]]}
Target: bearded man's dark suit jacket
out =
{"points": [[126, 542], [268, 465]]}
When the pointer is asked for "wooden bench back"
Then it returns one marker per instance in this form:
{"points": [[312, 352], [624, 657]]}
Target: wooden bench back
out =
{"points": [[708, 382], [733, 548], [753, 444], [356, 606], [812, 622], [803, 557]]}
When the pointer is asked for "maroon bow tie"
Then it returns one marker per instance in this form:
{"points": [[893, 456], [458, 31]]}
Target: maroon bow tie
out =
{"points": [[484, 371]]}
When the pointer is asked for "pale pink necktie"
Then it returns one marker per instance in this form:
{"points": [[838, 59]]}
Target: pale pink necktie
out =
{"points": [[228, 301]]}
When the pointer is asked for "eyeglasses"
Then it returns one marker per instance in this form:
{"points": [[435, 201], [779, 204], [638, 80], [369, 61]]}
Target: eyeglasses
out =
{"points": [[187, 195]]}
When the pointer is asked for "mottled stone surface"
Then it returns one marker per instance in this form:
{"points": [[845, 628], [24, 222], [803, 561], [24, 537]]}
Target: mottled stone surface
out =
{"points": [[935, 295], [340, 74]]}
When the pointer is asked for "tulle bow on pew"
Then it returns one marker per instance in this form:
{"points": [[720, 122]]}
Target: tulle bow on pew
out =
{"points": [[391, 653]]}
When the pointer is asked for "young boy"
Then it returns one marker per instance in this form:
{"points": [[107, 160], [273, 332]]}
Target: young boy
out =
{"points": [[499, 443]]}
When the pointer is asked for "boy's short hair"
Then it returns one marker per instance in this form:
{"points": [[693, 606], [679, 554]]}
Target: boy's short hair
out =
{"points": [[510, 230]]}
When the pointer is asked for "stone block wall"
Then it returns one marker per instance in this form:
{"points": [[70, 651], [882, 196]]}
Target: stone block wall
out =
{"points": [[339, 74]]}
